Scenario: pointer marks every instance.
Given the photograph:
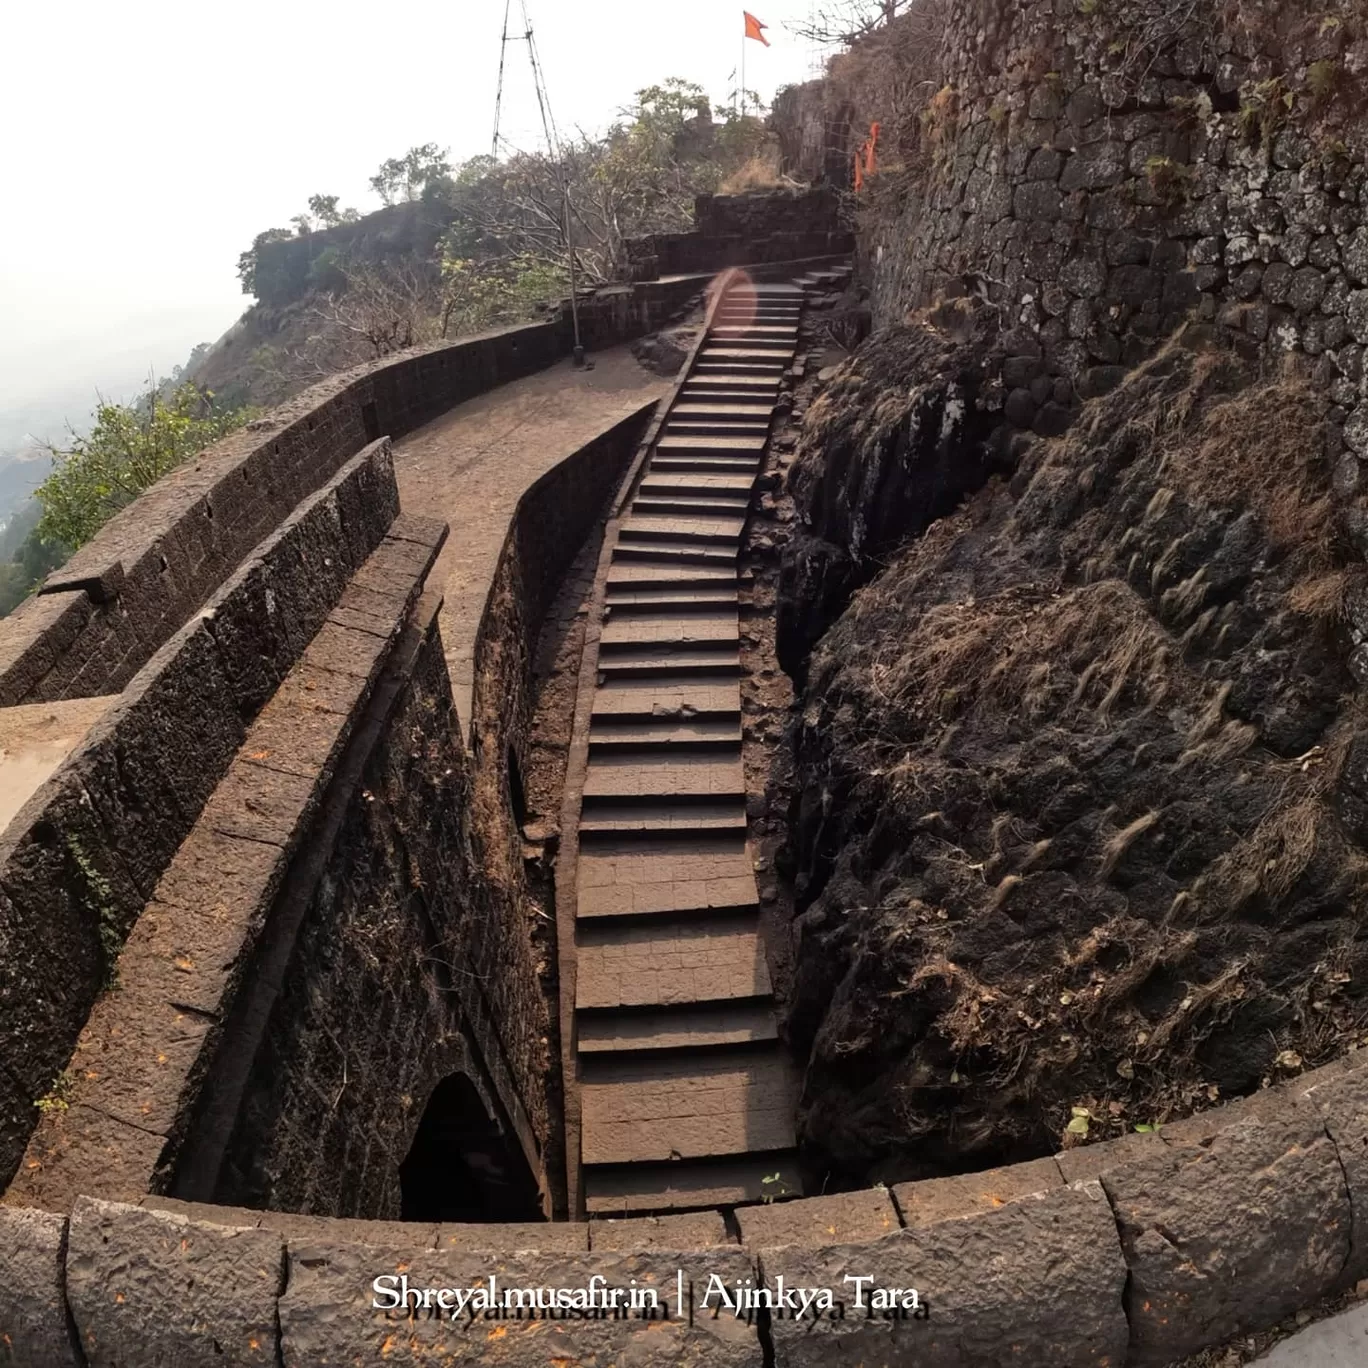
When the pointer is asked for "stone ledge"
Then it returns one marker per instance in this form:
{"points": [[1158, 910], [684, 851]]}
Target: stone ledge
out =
{"points": [[1215, 1226]]}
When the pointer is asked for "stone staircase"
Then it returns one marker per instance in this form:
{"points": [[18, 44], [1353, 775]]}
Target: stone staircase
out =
{"points": [[687, 1097]]}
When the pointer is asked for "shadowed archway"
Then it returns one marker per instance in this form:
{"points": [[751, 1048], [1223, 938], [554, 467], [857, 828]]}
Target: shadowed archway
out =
{"points": [[461, 1167]]}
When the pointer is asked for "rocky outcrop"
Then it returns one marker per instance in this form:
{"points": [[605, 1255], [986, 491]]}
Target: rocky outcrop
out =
{"points": [[909, 425], [1079, 839]]}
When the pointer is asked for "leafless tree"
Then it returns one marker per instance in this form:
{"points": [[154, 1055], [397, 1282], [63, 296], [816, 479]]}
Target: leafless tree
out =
{"points": [[844, 21], [383, 308]]}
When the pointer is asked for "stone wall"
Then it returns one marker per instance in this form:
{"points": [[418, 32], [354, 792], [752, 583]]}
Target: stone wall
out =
{"points": [[347, 925], [1103, 172], [735, 230], [1137, 1251], [98, 620], [83, 856]]}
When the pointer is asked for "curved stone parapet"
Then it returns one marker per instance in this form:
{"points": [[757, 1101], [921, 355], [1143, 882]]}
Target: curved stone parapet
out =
{"points": [[1135, 1251]]}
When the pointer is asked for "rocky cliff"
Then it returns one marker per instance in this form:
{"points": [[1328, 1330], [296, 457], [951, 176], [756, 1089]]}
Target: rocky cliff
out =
{"points": [[1079, 600]]}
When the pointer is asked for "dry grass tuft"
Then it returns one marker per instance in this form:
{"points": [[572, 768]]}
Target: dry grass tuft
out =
{"points": [[1115, 849], [1321, 598], [760, 172]]}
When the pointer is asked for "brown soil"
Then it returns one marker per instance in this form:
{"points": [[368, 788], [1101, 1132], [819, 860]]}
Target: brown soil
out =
{"points": [[1081, 831]]}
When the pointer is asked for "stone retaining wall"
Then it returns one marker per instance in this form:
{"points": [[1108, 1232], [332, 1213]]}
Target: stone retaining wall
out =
{"points": [[1135, 1251], [87, 851], [735, 230], [1104, 172]]}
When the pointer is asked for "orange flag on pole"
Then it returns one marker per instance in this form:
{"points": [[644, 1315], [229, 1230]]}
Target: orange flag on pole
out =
{"points": [[755, 29]]}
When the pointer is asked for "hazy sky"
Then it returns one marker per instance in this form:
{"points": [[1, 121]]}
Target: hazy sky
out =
{"points": [[145, 143]]}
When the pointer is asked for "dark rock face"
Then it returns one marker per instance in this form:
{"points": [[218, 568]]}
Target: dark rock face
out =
{"points": [[897, 440], [1082, 806]]}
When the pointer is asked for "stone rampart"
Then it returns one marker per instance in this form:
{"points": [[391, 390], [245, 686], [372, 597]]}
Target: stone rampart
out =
{"points": [[1136, 1251], [1105, 172], [90, 847], [100, 618], [735, 230]]}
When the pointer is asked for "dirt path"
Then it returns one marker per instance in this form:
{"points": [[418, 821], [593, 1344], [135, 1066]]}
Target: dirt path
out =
{"points": [[471, 465]]}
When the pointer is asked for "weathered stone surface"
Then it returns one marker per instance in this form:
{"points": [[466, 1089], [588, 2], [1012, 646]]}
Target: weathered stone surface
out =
{"points": [[967, 1194], [1038, 1281], [689, 1230], [155, 1289], [1228, 1226], [819, 1221], [1341, 1099], [35, 1330], [328, 1317]]}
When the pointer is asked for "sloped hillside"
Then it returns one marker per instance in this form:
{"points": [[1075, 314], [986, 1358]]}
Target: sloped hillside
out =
{"points": [[1084, 808]]}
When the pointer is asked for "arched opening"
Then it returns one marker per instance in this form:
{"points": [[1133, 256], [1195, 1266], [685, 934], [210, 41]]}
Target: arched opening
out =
{"points": [[461, 1167]]}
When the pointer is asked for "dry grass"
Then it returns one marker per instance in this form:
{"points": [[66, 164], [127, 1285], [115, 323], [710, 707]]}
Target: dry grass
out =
{"points": [[760, 172], [1115, 849]]}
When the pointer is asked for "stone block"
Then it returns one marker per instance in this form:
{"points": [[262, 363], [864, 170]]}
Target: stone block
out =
{"points": [[1037, 1281], [840, 1219], [541, 1237], [968, 1194], [1340, 1098], [690, 1230], [157, 1290], [35, 1330], [332, 1313], [1236, 1219]]}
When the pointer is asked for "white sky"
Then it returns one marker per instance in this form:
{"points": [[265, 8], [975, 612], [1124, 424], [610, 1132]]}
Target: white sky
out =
{"points": [[146, 142]]}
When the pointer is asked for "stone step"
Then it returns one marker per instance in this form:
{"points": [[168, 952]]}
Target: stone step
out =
{"points": [[716, 396], [728, 413], [649, 507], [781, 331], [698, 735], [716, 427], [640, 1189], [709, 531], [686, 1107], [749, 467], [756, 341], [606, 821], [770, 371], [673, 553], [765, 318], [704, 1027], [626, 779], [630, 575], [668, 699], [660, 662], [670, 962], [656, 600], [628, 632], [714, 446], [742, 383], [764, 360], [698, 873], [739, 486]]}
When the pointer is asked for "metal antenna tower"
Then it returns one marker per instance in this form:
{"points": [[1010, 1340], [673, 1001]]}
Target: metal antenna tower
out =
{"points": [[498, 98], [553, 147]]}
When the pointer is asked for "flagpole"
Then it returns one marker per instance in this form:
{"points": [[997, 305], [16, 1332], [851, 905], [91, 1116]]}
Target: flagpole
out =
{"points": [[743, 72]]}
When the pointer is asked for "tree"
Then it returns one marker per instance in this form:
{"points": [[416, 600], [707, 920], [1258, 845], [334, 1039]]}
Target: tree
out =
{"points": [[421, 172], [843, 21], [251, 258], [326, 214], [129, 448]]}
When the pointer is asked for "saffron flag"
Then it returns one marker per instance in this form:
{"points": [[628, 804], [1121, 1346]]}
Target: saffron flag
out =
{"points": [[755, 29]]}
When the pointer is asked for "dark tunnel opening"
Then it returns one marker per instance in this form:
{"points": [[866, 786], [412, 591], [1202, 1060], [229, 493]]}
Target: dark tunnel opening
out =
{"points": [[462, 1167]]}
